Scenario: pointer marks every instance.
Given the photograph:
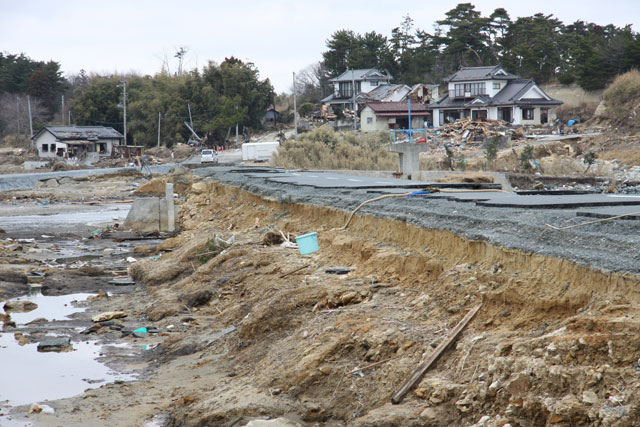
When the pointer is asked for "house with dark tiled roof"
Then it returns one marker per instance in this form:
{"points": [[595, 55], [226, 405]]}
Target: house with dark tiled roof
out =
{"points": [[491, 92], [364, 81], [382, 116], [66, 142]]}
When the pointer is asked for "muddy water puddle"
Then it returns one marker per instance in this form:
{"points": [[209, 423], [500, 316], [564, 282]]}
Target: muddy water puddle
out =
{"points": [[29, 376], [85, 216]]}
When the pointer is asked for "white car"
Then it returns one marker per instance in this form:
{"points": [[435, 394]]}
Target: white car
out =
{"points": [[209, 156]]}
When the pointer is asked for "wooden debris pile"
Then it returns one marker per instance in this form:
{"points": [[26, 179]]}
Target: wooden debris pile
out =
{"points": [[477, 130]]}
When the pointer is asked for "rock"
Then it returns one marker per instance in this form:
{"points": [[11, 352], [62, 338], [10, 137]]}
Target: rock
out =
{"points": [[519, 385], [198, 298], [589, 397], [493, 388], [337, 270], [429, 414], [102, 317], [20, 306], [348, 297], [484, 421], [55, 344], [12, 274]]}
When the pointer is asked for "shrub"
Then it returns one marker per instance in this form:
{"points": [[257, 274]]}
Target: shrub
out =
{"points": [[322, 148], [525, 157]]}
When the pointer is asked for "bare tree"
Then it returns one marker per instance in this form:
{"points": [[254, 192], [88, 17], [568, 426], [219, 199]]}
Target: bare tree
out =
{"points": [[14, 114], [311, 83]]}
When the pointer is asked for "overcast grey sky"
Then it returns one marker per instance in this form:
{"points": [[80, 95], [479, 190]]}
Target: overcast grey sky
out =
{"points": [[278, 36]]}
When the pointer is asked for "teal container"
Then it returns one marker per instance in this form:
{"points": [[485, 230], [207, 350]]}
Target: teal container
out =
{"points": [[307, 243]]}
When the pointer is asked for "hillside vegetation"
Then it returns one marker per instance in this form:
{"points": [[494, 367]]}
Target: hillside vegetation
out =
{"points": [[622, 100]]}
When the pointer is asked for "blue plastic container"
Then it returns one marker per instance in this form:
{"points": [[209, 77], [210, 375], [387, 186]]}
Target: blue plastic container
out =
{"points": [[307, 243]]}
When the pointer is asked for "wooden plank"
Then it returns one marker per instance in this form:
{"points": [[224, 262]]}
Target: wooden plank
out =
{"points": [[422, 369]]}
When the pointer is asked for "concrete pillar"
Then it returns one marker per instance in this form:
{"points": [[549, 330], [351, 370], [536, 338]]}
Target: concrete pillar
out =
{"points": [[171, 213], [408, 156]]}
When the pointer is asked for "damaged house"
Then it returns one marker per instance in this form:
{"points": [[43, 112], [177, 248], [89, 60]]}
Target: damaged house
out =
{"points": [[491, 92], [382, 113], [77, 142], [364, 82]]}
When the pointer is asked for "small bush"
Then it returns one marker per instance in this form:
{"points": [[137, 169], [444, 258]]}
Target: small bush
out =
{"points": [[525, 157], [211, 249]]}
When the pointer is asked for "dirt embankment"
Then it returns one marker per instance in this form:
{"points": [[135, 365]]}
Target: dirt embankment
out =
{"points": [[270, 333]]}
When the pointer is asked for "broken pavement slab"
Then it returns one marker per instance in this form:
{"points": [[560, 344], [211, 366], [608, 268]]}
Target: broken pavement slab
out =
{"points": [[55, 344]]}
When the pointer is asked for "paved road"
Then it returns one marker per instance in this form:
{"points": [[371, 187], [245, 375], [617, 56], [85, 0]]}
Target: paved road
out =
{"points": [[612, 245]]}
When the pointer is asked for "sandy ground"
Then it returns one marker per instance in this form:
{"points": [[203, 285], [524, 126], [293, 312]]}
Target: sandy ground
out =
{"points": [[250, 329]]}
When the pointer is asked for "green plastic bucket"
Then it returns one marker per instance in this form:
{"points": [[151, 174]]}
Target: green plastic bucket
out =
{"points": [[307, 243]]}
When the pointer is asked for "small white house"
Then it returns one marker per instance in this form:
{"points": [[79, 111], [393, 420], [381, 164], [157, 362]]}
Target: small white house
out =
{"points": [[382, 116], [76, 141], [493, 93]]}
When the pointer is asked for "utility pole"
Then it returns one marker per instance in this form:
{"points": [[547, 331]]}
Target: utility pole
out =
{"points": [[30, 119], [190, 120], [295, 109], [62, 113], [236, 128], [159, 115], [18, 112], [354, 106], [124, 106], [69, 117]]}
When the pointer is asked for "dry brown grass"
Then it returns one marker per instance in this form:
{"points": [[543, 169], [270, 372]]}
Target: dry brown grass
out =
{"points": [[322, 148], [622, 100]]}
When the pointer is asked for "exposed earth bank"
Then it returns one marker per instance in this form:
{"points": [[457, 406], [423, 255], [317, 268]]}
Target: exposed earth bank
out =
{"points": [[256, 330]]}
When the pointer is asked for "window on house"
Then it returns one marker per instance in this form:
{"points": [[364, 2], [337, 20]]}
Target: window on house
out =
{"points": [[544, 115], [470, 89], [346, 90], [369, 120], [496, 85], [45, 148], [527, 114], [101, 147], [374, 83]]}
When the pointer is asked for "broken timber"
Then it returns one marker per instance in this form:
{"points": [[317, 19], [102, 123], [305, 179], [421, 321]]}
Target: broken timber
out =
{"points": [[420, 370]]}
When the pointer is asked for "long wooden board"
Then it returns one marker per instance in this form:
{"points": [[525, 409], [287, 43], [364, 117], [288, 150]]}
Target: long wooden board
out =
{"points": [[422, 369]]}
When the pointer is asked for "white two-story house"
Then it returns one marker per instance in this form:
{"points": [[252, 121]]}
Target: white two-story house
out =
{"points": [[364, 80], [491, 92]]}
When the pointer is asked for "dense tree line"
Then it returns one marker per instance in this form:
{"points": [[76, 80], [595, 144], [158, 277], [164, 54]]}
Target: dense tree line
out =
{"points": [[219, 97], [21, 77], [538, 46]]}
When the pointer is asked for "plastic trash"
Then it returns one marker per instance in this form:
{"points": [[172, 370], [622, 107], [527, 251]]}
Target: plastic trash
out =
{"points": [[142, 330]]}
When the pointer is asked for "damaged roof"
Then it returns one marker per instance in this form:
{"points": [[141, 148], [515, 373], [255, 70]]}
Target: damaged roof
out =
{"points": [[87, 133], [383, 92], [494, 72], [358, 75]]}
